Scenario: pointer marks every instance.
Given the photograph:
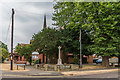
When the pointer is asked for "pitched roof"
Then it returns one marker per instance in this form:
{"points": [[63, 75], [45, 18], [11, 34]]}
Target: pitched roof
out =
{"points": [[24, 44]]}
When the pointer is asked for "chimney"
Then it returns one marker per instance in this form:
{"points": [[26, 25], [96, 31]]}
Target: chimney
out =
{"points": [[44, 21]]}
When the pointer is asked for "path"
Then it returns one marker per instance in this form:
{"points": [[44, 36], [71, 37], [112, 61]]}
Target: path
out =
{"points": [[36, 73]]}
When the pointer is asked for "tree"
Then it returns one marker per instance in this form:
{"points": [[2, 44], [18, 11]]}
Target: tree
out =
{"points": [[45, 42], [3, 45], [26, 51], [99, 20], [63, 12], [5, 54], [4, 51], [63, 17], [103, 21], [70, 41]]}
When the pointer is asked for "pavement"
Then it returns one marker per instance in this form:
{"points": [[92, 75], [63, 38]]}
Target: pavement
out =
{"points": [[32, 72], [89, 72]]}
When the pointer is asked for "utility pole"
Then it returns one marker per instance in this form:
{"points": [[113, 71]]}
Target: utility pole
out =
{"points": [[12, 27]]}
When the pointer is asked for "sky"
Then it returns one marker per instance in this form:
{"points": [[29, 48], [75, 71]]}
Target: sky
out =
{"points": [[28, 19]]}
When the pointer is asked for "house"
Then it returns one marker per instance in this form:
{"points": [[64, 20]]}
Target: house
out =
{"points": [[16, 55], [69, 58]]}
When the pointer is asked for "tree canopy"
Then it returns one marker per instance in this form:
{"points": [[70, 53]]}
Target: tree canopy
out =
{"points": [[45, 41], [3, 45], [64, 16], [3, 51], [100, 20], [25, 50], [70, 41]]}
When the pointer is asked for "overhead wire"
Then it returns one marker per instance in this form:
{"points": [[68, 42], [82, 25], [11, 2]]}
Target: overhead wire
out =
{"points": [[30, 13], [25, 12], [8, 29], [20, 12]]}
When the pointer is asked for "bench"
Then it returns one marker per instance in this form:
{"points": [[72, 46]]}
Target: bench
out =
{"points": [[20, 63]]}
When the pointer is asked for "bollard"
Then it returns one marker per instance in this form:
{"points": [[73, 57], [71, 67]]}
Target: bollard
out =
{"points": [[58, 67], [46, 67], [55, 67], [36, 66], [58, 70], [71, 66]]}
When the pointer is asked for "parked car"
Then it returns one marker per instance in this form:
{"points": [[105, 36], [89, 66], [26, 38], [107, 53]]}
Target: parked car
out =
{"points": [[113, 61], [99, 61]]}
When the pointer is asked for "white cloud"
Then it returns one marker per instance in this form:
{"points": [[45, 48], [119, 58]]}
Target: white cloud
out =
{"points": [[28, 19], [27, 0]]}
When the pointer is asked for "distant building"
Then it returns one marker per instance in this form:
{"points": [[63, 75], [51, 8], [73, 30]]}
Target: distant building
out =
{"points": [[16, 55], [35, 56]]}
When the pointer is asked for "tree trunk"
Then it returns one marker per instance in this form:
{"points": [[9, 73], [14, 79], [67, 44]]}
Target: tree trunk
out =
{"points": [[43, 59], [119, 61], [30, 60], [105, 61], [46, 58]]}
